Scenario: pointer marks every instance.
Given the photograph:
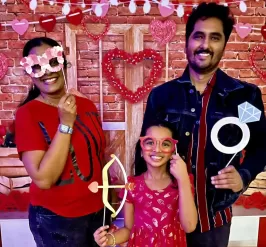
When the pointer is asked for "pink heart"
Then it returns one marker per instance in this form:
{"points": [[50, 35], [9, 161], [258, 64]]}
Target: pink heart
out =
{"points": [[93, 187], [105, 7], [162, 32], [20, 26], [166, 10], [243, 30]]}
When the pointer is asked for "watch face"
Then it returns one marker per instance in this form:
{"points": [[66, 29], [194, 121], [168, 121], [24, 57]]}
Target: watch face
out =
{"points": [[64, 128]]}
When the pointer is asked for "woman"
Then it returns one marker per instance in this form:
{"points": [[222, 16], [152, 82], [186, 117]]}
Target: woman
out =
{"points": [[61, 143]]}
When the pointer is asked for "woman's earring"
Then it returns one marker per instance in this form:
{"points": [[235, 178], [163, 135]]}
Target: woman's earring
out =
{"points": [[33, 87], [141, 154]]}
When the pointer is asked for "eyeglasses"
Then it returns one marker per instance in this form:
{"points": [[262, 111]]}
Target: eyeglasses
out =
{"points": [[167, 145]]}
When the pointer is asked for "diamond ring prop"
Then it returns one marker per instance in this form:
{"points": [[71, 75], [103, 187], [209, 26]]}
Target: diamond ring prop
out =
{"points": [[247, 113]]}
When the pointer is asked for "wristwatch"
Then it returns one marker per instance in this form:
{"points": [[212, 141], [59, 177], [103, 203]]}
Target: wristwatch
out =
{"points": [[65, 129]]}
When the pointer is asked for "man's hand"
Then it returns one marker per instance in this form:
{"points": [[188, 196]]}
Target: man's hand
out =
{"points": [[228, 178]]}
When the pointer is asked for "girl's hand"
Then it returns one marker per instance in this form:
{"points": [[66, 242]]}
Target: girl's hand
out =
{"points": [[100, 236], [178, 168]]}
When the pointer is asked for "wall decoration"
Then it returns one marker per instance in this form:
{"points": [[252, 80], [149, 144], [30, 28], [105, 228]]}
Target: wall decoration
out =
{"points": [[95, 37], [135, 58], [3, 65], [162, 32], [243, 29], [255, 67], [20, 26], [101, 9], [166, 9], [75, 17], [47, 22]]}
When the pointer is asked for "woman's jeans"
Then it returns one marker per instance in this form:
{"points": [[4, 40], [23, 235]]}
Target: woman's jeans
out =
{"points": [[52, 230]]}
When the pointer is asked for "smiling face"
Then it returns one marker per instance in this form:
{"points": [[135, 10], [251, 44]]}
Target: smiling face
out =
{"points": [[50, 82], [205, 46], [156, 157]]}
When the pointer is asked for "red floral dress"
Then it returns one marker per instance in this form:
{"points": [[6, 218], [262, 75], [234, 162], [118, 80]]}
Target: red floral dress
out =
{"points": [[156, 217]]}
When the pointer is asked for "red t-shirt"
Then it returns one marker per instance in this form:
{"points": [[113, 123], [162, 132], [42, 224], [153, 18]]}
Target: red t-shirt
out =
{"points": [[35, 126]]}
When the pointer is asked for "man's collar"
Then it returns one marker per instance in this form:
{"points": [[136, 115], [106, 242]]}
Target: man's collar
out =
{"points": [[223, 83]]}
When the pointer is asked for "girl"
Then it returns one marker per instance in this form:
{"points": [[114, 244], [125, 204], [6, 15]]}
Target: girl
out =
{"points": [[160, 208]]}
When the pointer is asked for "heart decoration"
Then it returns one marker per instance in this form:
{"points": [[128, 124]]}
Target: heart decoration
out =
{"points": [[257, 70], [95, 19], [93, 187], [243, 30], [166, 11], [105, 7], [0, 26], [135, 58], [162, 32], [75, 17], [47, 22], [3, 65], [186, 15], [263, 31], [20, 27]]}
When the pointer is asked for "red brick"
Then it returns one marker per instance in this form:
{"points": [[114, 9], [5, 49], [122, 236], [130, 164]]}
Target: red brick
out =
{"points": [[247, 19], [14, 89], [237, 12], [122, 10], [90, 89], [6, 114], [230, 55], [246, 73], [32, 35], [8, 35], [138, 20], [19, 97], [17, 44], [4, 81], [20, 80], [118, 19], [234, 73], [10, 105], [3, 44], [257, 3], [237, 47], [109, 98], [7, 17], [5, 97], [236, 64], [114, 116]]}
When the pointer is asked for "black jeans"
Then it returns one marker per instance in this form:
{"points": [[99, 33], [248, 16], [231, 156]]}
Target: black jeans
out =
{"points": [[217, 237], [52, 230]]}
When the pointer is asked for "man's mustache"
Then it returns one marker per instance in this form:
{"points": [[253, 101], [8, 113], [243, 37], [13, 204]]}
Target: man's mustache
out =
{"points": [[204, 51]]}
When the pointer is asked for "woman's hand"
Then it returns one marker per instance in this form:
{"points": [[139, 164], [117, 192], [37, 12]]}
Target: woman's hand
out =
{"points": [[178, 168], [101, 237], [67, 110]]}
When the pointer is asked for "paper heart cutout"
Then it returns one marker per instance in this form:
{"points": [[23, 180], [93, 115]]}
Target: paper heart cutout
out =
{"points": [[93, 187], [257, 70], [95, 19], [243, 30], [0, 26], [105, 7], [135, 58], [186, 15], [166, 10], [263, 31], [75, 17], [47, 22], [21, 26], [3, 65], [162, 32]]}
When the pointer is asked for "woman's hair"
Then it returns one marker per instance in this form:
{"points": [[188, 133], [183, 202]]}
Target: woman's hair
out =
{"points": [[140, 165], [34, 92]]}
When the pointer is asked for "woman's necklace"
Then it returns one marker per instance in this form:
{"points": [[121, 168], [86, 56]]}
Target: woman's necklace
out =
{"points": [[48, 102]]}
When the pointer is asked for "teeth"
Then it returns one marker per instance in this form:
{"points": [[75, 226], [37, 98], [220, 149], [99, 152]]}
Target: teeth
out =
{"points": [[50, 80], [156, 157], [204, 54]]}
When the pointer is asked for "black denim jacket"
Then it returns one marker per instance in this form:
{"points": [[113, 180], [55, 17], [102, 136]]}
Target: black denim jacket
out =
{"points": [[171, 101]]}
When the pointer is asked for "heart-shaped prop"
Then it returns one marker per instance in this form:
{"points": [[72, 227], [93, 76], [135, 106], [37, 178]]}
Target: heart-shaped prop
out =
{"points": [[263, 31], [3, 65], [95, 19], [162, 32], [258, 70], [186, 15], [93, 187], [20, 26], [243, 30], [104, 7], [166, 11], [47, 22], [75, 17], [135, 58]]}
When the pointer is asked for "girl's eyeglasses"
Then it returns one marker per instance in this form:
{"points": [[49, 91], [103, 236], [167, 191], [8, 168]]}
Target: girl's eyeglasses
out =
{"points": [[167, 145]]}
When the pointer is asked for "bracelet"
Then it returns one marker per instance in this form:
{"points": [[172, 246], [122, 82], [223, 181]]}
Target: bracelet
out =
{"points": [[113, 237]]}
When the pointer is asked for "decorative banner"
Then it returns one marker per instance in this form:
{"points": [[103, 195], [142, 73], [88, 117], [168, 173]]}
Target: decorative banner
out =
{"points": [[109, 71], [100, 9], [166, 10], [94, 19], [243, 30], [255, 67], [162, 32], [75, 17], [20, 26], [3, 65], [47, 22]]}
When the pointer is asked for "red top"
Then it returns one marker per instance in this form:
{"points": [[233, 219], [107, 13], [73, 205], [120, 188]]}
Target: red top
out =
{"points": [[36, 124]]}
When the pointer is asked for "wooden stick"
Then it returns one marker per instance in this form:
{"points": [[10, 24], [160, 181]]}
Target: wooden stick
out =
{"points": [[166, 61], [111, 186], [101, 79]]}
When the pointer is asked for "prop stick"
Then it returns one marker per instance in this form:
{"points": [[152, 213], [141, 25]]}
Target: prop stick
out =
{"points": [[66, 86], [166, 61], [101, 79], [230, 160]]}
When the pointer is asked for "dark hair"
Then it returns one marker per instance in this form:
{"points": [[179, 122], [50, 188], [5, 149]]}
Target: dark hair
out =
{"points": [[34, 92], [140, 165], [210, 10]]}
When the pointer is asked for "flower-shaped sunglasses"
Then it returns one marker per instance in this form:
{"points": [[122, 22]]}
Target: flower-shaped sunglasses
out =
{"points": [[166, 145]]}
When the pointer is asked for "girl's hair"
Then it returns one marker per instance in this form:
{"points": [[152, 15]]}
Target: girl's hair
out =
{"points": [[34, 92], [140, 165]]}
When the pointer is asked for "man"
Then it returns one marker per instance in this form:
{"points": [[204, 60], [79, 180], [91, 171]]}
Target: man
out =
{"points": [[194, 103]]}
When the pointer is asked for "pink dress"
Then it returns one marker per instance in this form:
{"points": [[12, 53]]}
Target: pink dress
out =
{"points": [[156, 217]]}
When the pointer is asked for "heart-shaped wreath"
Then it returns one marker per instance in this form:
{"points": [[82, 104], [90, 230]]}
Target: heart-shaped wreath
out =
{"points": [[257, 70], [127, 94]]}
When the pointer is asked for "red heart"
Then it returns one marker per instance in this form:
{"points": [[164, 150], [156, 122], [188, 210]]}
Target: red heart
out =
{"points": [[75, 17], [95, 19], [0, 26], [135, 58], [186, 15], [263, 31], [259, 71], [47, 22]]}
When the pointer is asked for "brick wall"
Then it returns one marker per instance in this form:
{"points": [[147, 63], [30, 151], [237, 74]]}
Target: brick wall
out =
{"points": [[15, 85]]}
